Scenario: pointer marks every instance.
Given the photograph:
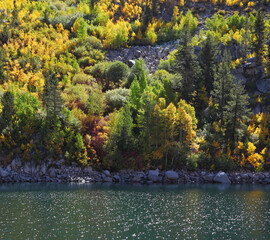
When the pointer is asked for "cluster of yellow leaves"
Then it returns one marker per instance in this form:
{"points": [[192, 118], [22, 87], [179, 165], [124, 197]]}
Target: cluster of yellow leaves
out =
{"points": [[257, 151], [44, 47], [255, 159], [117, 34]]}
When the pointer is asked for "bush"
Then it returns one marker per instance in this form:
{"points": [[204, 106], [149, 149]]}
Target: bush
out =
{"points": [[95, 104], [116, 98], [82, 78], [88, 51], [192, 162], [76, 96], [116, 73], [67, 21], [224, 163], [136, 71]]}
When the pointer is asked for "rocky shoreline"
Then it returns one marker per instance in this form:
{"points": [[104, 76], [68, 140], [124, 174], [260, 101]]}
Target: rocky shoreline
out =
{"points": [[57, 172]]}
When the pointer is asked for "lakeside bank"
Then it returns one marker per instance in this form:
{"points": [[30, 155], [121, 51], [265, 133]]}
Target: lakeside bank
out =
{"points": [[57, 172]]}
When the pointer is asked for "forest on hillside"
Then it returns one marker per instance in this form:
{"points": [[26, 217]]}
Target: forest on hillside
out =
{"points": [[62, 99]]}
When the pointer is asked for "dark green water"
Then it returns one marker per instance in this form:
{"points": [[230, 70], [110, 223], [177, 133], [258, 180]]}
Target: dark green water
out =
{"points": [[70, 211]]}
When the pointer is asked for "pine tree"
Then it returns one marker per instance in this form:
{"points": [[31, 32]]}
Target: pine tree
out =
{"points": [[169, 93], [208, 59], [135, 94], [2, 62], [246, 38], [236, 111], [259, 32], [222, 86], [144, 119], [155, 5], [52, 100], [8, 110], [146, 18], [187, 65]]}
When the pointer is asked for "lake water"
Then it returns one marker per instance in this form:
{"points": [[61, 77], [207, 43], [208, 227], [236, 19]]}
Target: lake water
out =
{"points": [[73, 211]]}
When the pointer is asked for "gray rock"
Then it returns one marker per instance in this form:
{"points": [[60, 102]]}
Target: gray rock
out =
{"points": [[263, 85], [107, 179], [137, 178], [107, 173], [116, 178], [3, 173], [8, 168], [27, 168], [153, 172], [131, 63], [153, 178], [221, 177], [52, 172], [171, 175], [244, 176], [16, 163], [43, 169], [88, 170]]}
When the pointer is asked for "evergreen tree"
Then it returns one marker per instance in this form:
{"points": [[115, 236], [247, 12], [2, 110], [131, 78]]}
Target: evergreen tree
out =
{"points": [[246, 38], [144, 119], [135, 94], [120, 140], [8, 110], [140, 71], [169, 93], [146, 18], [222, 86], [2, 62], [123, 131], [259, 32], [187, 65], [155, 7], [208, 59], [52, 100], [236, 111]]}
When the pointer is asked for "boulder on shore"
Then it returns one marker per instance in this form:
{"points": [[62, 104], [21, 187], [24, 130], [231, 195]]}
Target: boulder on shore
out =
{"points": [[172, 175], [221, 177], [3, 173]]}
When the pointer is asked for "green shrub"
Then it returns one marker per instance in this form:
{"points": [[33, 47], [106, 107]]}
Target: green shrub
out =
{"points": [[116, 73], [116, 98], [81, 78]]}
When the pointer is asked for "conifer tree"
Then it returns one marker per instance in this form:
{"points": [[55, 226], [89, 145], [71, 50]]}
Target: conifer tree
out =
{"points": [[222, 86], [144, 119], [146, 18], [52, 100], [208, 59], [246, 38], [259, 32], [187, 65], [236, 111], [2, 70], [135, 94], [8, 110]]}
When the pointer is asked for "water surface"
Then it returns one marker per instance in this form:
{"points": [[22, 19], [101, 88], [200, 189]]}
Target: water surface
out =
{"points": [[73, 211]]}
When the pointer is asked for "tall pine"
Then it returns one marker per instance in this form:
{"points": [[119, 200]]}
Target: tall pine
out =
{"points": [[259, 32], [8, 110], [52, 100], [236, 111], [209, 63], [187, 65], [222, 86]]}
